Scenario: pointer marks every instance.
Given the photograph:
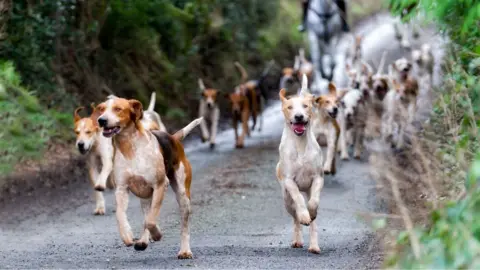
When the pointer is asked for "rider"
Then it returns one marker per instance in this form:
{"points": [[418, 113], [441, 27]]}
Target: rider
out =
{"points": [[341, 5]]}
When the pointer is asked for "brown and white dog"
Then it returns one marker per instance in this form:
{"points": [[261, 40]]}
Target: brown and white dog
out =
{"points": [[300, 165], [423, 62], [90, 142], [400, 102], [145, 163], [209, 110], [352, 116], [325, 123]]}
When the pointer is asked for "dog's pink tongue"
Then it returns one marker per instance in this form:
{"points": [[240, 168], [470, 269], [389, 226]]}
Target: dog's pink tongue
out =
{"points": [[299, 128]]}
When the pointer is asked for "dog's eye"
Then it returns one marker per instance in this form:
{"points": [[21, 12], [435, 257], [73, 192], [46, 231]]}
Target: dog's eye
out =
{"points": [[290, 107], [305, 106], [117, 109], [342, 104], [77, 132], [88, 132]]}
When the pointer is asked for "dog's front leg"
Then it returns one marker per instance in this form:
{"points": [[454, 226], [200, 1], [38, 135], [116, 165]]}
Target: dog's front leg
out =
{"points": [[93, 175], [343, 144], [142, 243], [235, 129], [358, 144], [203, 125], [152, 216], [313, 248], [314, 196], [121, 196], [302, 214], [213, 133], [297, 234], [329, 166], [245, 130], [107, 166]]}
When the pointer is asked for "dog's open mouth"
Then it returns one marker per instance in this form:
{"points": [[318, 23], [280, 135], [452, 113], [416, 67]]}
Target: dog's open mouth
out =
{"points": [[110, 131], [333, 114], [299, 128]]}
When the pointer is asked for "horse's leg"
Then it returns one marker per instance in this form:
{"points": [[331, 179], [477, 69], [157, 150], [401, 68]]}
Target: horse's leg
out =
{"points": [[317, 55]]}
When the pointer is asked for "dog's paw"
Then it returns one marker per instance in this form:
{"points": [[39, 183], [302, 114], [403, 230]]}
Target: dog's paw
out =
{"points": [[129, 240], [239, 145], [182, 255], [204, 139], [314, 249], [345, 157], [212, 145], [297, 244], [312, 210], [304, 218], [140, 246], [357, 155], [155, 233], [99, 211], [327, 169], [99, 187]]}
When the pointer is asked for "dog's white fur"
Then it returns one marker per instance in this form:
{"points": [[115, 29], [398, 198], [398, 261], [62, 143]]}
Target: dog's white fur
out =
{"points": [[300, 167], [352, 117], [423, 62], [97, 147], [210, 111], [325, 123]]}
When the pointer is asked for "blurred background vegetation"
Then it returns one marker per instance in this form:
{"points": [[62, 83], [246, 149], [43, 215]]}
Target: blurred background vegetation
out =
{"points": [[450, 236]]}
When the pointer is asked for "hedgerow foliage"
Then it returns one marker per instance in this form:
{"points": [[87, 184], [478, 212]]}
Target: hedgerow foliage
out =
{"points": [[451, 240]]}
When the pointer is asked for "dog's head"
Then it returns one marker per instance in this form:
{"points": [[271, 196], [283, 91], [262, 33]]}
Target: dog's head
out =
{"points": [[405, 91], [209, 95], [353, 76], [403, 67], [297, 110], [380, 86], [86, 130], [328, 103], [118, 113], [350, 103]]}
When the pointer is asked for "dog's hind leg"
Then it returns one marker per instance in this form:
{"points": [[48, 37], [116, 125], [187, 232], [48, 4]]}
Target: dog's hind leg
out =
{"points": [[183, 177], [260, 114], [358, 143], [329, 166], [313, 247], [121, 196]]}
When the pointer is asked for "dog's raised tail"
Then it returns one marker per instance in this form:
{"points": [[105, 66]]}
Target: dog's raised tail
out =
{"points": [[151, 106], [243, 72], [182, 133], [382, 63]]}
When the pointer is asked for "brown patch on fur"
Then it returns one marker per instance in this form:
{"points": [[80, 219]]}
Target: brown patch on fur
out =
{"points": [[174, 154], [210, 93], [139, 186], [125, 146]]}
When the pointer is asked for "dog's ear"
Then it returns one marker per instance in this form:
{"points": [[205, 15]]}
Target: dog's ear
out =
{"points": [[318, 99], [282, 94], [341, 93], [136, 109], [76, 116], [332, 89]]}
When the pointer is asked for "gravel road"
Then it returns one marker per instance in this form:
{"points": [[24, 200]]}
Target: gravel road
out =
{"points": [[238, 217]]}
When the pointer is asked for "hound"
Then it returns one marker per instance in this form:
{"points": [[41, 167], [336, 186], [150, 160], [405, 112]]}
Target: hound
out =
{"points": [[209, 110], [300, 165], [240, 102], [352, 117], [400, 102], [325, 122], [145, 163], [90, 142], [423, 62]]}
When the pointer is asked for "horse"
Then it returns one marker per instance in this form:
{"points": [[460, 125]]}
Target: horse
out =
{"points": [[324, 25]]}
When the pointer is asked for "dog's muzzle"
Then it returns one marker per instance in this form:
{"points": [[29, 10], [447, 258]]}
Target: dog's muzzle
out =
{"points": [[81, 148], [333, 113], [299, 126]]}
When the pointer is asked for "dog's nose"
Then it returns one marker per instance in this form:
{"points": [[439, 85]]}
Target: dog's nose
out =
{"points": [[299, 117], [81, 145], [335, 110], [356, 85], [102, 122], [209, 105]]}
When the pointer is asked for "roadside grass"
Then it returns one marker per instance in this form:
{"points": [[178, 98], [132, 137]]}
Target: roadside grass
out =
{"points": [[27, 127]]}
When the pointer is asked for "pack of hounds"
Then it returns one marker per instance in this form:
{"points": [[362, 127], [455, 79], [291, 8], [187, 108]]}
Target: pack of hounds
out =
{"points": [[129, 149]]}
